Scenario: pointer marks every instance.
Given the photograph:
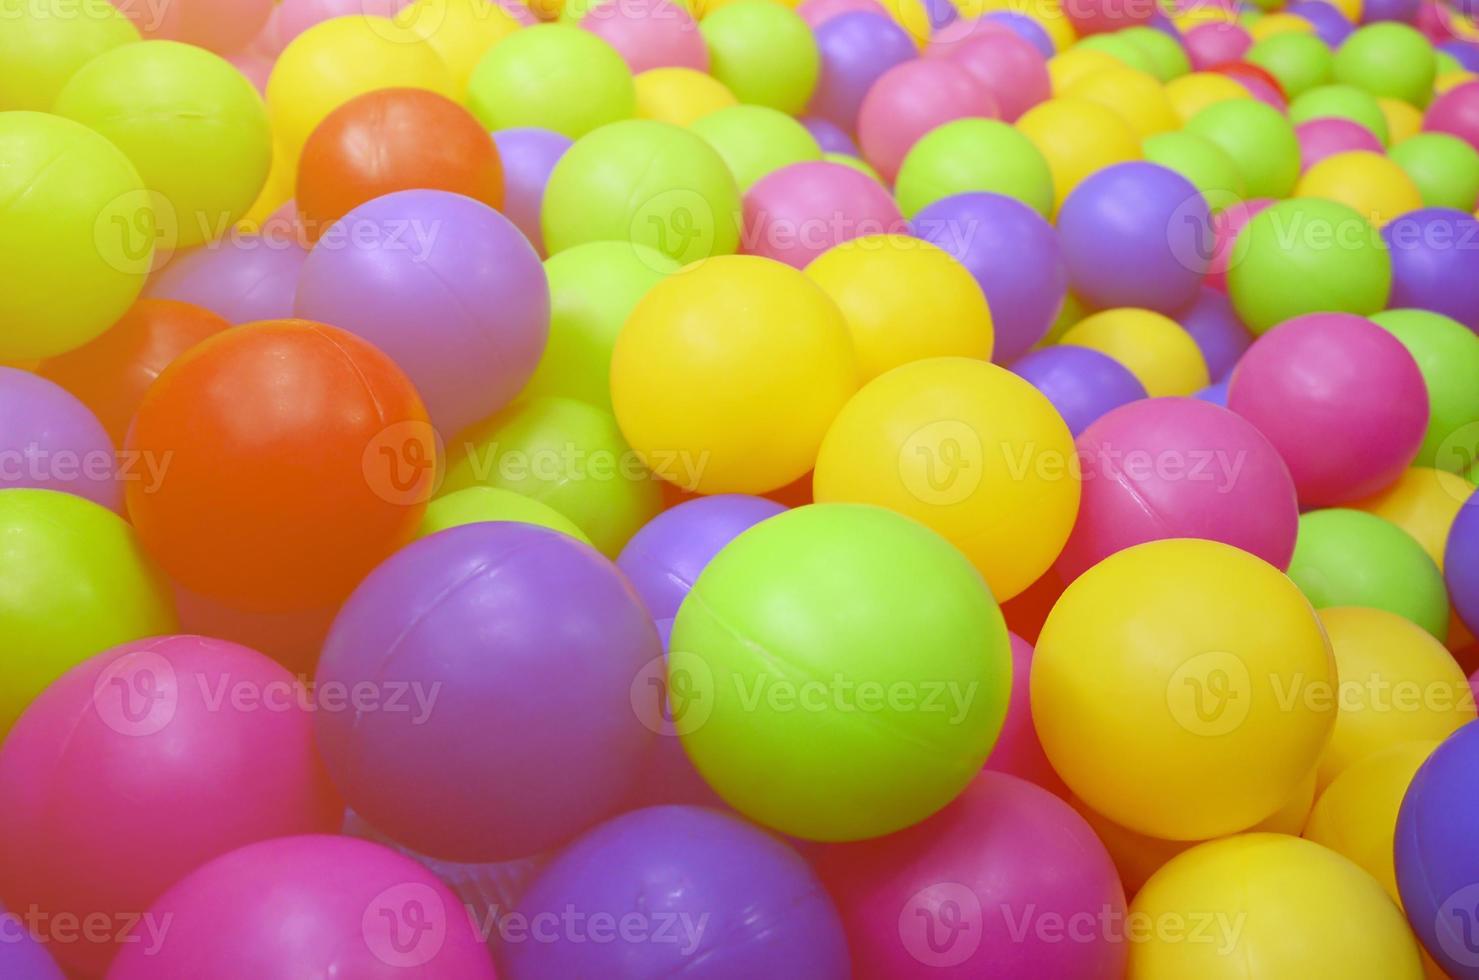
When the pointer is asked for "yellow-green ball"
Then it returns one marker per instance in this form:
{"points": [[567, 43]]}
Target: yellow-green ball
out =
{"points": [[764, 53], [555, 76], [472, 505], [755, 140], [42, 44]]}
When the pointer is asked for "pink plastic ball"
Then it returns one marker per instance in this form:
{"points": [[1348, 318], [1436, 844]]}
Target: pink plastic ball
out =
{"points": [[1457, 112], [911, 99], [1007, 881], [1217, 43], [1225, 227], [142, 763], [1321, 138], [255, 67], [1341, 400], [1018, 751], [1260, 89], [309, 906], [818, 12], [1179, 468], [796, 213], [649, 34], [1013, 71], [1104, 16]]}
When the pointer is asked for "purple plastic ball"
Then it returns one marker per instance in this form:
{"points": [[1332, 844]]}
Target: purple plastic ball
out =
{"points": [[528, 155], [1331, 26], [829, 136], [1219, 334], [941, 12], [242, 278], [51, 441], [1133, 235], [1082, 384], [443, 284], [1461, 563], [679, 891], [1404, 11], [669, 776], [1024, 27], [21, 956], [1013, 254], [1466, 53], [518, 649], [1435, 263], [856, 48], [1215, 394]]}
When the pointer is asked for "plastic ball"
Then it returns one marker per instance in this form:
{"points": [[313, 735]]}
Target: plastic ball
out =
{"points": [[1435, 263], [362, 910], [51, 441], [649, 33], [833, 139], [646, 182], [1388, 59], [44, 45], [571, 456], [1135, 96], [1013, 71], [1015, 257], [970, 155], [855, 50], [1461, 563], [1352, 558], [1424, 502], [1155, 348], [1299, 62], [970, 450], [1444, 168], [1198, 640], [763, 910], [242, 278], [1379, 10], [393, 140], [1456, 112], [1105, 16], [1077, 138], [755, 141], [1005, 852], [910, 100], [459, 31], [1341, 102], [556, 76], [1024, 27], [1329, 24], [822, 583], [798, 212], [528, 156], [1404, 120], [1447, 354], [1304, 256], [1068, 67], [1219, 334], [763, 52], [1372, 185], [475, 504], [1227, 224], [1259, 83], [1125, 52], [1082, 384], [1299, 908], [1163, 44], [1200, 161], [1216, 43], [1260, 140], [1017, 751], [679, 95], [1320, 139]]}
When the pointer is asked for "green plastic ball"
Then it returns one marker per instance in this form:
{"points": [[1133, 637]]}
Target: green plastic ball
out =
{"points": [[1168, 58], [1121, 48], [1447, 354], [191, 123], [76, 582], [1390, 59], [847, 672], [764, 53], [42, 44], [1352, 558], [1300, 62], [554, 76], [1444, 168], [1259, 139], [472, 505], [1446, 62], [1341, 102], [1200, 161], [755, 140], [974, 155], [647, 182], [592, 288], [1307, 255]]}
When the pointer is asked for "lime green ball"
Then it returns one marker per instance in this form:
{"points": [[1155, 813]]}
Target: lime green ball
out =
{"points": [[1199, 160], [1259, 139], [764, 53], [1307, 255], [847, 672], [1447, 354], [191, 123], [1299, 61], [1122, 49], [472, 505], [647, 182], [1352, 558], [1341, 102], [555, 76], [76, 582], [77, 235], [974, 155], [592, 288], [1444, 168], [1168, 58], [1390, 59], [568, 455], [755, 140], [1446, 62], [848, 160], [42, 44]]}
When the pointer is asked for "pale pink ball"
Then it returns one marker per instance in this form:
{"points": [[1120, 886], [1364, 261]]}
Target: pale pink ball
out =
{"points": [[818, 12], [649, 34], [911, 99], [1013, 71], [796, 213]]}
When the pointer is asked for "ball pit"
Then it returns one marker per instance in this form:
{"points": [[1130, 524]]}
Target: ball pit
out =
{"points": [[679, 95], [1299, 62], [1341, 102], [649, 34], [1320, 139]]}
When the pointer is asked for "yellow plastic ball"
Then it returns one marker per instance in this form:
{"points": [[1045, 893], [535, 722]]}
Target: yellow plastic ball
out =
{"points": [[904, 300], [1397, 684], [1452, 80], [1156, 349], [475, 504], [966, 448], [1268, 907], [911, 15], [1190, 94], [42, 44], [338, 59], [460, 31], [1404, 120], [1424, 502], [1270, 25], [728, 373], [1351, 8], [1134, 96], [1158, 688], [1371, 184], [680, 95], [1077, 138], [1070, 66]]}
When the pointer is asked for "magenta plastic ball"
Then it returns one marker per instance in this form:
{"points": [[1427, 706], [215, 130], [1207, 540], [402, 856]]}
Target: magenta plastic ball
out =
{"points": [[1083, 384], [649, 34], [1135, 234], [1179, 468], [1435, 263], [736, 902], [818, 12], [52, 441], [1220, 335], [517, 648], [1225, 227], [1013, 71], [796, 213], [1217, 43], [310, 906], [831, 137], [243, 278], [1260, 89], [911, 99], [443, 284], [1321, 138], [1017, 751], [528, 155], [1457, 112], [1105, 16], [856, 49], [142, 763], [1005, 853], [1341, 400]]}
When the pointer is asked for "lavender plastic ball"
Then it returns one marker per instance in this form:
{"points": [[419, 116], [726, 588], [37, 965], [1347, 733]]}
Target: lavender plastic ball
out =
{"points": [[856, 49], [1435, 263], [528, 155], [242, 278], [51, 441], [1082, 384], [1219, 334]]}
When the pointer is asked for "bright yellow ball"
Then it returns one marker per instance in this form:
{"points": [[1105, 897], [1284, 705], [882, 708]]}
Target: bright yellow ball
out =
{"points": [[1162, 355], [1404, 120], [1190, 94], [1351, 8], [966, 448], [1076, 63], [1371, 184], [680, 95], [1136, 97], [904, 300], [1077, 138], [1424, 502], [460, 31], [1271, 24], [728, 373]]}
